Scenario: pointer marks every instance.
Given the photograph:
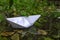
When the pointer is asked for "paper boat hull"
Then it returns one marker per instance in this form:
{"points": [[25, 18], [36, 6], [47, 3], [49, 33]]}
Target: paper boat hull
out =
{"points": [[14, 25]]}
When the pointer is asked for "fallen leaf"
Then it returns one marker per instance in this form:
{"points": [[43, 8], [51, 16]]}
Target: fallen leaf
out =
{"points": [[42, 32], [7, 33]]}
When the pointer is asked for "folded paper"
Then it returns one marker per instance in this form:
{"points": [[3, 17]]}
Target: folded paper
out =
{"points": [[23, 22], [58, 17]]}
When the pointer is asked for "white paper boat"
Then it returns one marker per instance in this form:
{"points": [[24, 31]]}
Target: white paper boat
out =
{"points": [[23, 22], [58, 17]]}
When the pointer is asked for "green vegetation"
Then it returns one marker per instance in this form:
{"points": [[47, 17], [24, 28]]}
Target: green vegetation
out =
{"points": [[48, 21]]}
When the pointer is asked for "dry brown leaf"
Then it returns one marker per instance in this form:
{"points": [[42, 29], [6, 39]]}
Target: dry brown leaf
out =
{"points": [[15, 36], [18, 31], [7, 33], [42, 32]]}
